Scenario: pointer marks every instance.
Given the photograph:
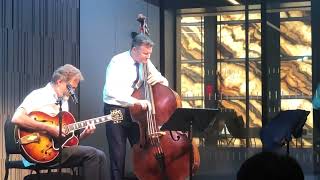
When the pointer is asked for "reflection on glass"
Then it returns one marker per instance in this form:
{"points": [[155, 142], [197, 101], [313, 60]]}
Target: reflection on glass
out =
{"points": [[192, 103], [255, 84], [191, 39], [295, 70], [231, 41], [255, 111], [191, 20], [232, 79], [296, 78], [192, 83], [295, 39], [238, 17], [293, 14]]}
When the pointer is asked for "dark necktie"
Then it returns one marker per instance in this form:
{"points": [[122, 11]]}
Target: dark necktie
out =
{"points": [[136, 82]]}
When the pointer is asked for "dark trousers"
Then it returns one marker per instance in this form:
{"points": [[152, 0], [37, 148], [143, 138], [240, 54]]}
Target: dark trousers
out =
{"points": [[92, 161], [117, 135]]}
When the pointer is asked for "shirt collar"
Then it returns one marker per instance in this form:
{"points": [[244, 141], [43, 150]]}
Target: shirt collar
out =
{"points": [[49, 86], [132, 60]]}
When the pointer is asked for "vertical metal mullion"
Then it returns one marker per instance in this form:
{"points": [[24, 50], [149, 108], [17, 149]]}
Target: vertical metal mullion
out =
{"points": [[177, 54], [247, 69], [162, 37], [202, 64]]}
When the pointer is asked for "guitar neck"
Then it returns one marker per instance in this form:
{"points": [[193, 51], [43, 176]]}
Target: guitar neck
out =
{"points": [[83, 124]]}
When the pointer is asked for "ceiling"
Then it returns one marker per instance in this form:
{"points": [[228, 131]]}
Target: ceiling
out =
{"points": [[184, 4]]}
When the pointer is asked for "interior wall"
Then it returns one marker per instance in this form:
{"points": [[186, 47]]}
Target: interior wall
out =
{"points": [[170, 47], [36, 37]]}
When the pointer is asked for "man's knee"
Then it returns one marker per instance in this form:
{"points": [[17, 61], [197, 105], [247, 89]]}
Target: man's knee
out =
{"points": [[101, 155]]}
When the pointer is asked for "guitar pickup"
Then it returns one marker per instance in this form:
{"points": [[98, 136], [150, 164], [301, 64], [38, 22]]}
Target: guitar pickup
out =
{"points": [[31, 138]]}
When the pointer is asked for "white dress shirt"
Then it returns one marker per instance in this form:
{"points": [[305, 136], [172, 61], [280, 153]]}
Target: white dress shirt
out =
{"points": [[120, 76]]}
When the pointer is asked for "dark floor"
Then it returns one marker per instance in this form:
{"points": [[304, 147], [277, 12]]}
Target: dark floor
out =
{"points": [[223, 163]]}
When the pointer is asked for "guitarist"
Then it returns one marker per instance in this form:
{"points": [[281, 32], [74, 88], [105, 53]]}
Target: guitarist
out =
{"points": [[44, 99]]}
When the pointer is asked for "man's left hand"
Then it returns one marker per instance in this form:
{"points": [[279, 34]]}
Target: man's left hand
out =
{"points": [[90, 129], [152, 80]]}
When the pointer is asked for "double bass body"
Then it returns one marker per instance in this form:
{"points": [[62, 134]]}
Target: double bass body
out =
{"points": [[158, 156]]}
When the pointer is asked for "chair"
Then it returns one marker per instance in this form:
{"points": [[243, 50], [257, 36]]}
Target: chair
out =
{"points": [[237, 129], [212, 132], [13, 148]]}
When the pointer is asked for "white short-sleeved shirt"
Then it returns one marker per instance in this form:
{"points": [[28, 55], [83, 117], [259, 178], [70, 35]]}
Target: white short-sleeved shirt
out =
{"points": [[44, 100]]}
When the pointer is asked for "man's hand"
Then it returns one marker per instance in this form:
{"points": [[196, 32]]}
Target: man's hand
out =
{"points": [[145, 104], [90, 129], [152, 80], [53, 130]]}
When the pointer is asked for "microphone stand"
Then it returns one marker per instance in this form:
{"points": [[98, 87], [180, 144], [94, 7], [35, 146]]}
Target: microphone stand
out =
{"points": [[59, 103]]}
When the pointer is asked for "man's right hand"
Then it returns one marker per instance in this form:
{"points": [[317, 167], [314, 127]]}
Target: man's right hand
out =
{"points": [[145, 104], [53, 130]]}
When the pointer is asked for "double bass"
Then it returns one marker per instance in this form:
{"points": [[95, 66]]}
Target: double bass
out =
{"points": [[160, 155]]}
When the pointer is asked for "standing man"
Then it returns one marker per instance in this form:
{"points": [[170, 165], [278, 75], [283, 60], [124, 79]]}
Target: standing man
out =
{"points": [[123, 76], [44, 99]]}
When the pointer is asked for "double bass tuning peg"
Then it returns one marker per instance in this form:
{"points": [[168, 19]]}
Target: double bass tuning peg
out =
{"points": [[141, 18], [143, 25]]}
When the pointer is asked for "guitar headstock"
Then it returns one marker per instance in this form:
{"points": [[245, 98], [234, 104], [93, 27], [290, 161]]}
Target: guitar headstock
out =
{"points": [[116, 115]]}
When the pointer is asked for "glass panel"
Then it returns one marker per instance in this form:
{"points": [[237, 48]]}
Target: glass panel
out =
{"points": [[191, 39], [191, 19], [255, 84], [192, 102], [231, 17], [239, 17], [239, 106], [255, 113], [255, 40], [295, 39], [192, 76], [231, 41], [231, 79], [296, 68], [293, 14], [296, 78]]}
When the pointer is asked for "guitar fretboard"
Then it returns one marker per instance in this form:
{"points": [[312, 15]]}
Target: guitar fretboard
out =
{"points": [[83, 124]]}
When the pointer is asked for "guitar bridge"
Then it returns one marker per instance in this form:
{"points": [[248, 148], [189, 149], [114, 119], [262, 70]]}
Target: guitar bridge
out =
{"points": [[31, 138]]}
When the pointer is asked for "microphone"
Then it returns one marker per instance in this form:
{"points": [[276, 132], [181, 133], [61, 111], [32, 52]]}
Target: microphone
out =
{"points": [[141, 18], [72, 93]]}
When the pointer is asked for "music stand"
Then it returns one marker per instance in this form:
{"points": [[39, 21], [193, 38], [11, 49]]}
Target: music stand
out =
{"points": [[192, 120], [279, 130]]}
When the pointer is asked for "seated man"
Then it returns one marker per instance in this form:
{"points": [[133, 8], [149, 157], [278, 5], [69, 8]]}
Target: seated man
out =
{"points": [[44, 99]]}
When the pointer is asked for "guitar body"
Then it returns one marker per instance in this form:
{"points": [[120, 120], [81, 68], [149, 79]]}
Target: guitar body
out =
{"points": [[45, 148]]}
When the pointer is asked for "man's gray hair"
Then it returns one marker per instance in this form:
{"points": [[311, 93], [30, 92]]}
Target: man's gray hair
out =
{"points": [[66, 73], [141, 39]]}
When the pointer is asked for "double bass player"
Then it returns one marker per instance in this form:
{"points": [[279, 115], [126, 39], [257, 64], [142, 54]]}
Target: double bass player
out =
{"points": [[123, 76]]}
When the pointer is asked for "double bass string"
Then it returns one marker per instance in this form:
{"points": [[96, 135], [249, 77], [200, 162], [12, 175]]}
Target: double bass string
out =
{"points": [[152, 125]]}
